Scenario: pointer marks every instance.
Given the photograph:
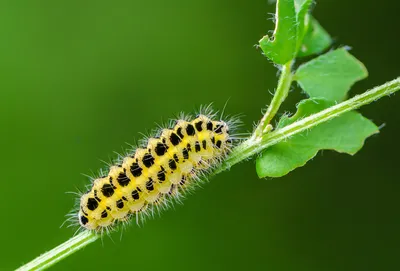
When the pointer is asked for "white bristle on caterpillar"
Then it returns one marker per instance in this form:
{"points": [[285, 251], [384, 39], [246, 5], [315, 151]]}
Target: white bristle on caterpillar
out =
{"points": [[170, 163]]}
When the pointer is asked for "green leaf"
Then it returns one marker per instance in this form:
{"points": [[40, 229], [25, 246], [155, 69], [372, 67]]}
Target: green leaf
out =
{"points": [[345, 134], [331, 75], [292, 23], [303, 19], [282, 47], [315, 41]]}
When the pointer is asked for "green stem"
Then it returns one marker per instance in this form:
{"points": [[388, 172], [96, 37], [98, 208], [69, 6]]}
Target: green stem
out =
{"points": [[242, 152], [285, 81], [253, 145], [62, 251]]}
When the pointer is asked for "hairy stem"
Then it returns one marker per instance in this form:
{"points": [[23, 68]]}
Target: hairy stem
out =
{"points": [[253, 145], [285, 81], [62, 251], [242, 152]]}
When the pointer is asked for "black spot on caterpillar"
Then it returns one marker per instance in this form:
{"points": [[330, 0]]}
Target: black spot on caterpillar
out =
{"points": [[149, 177]]}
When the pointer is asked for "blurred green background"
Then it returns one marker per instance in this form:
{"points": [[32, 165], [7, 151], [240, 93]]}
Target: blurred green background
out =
{"points": [[80, 78]]}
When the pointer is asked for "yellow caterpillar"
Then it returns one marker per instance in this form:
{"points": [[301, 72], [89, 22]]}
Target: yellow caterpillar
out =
{"points": [[168, 164]]}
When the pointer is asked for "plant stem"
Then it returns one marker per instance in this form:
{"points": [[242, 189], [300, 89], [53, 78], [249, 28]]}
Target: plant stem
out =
{"points": [[253, 145], [62, 251], [285, 81], [242, 152]]}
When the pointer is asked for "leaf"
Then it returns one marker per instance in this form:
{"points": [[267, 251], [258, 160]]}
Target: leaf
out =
{"points": [[292, 23], [315, 41], [345, 134], [331, 75], [282, 47], [303, 19]]}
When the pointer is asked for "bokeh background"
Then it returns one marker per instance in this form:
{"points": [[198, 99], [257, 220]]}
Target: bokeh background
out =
{"points": [[80, 78]]}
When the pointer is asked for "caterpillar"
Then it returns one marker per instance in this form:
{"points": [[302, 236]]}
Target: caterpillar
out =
{"points": [[162, 169]]}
